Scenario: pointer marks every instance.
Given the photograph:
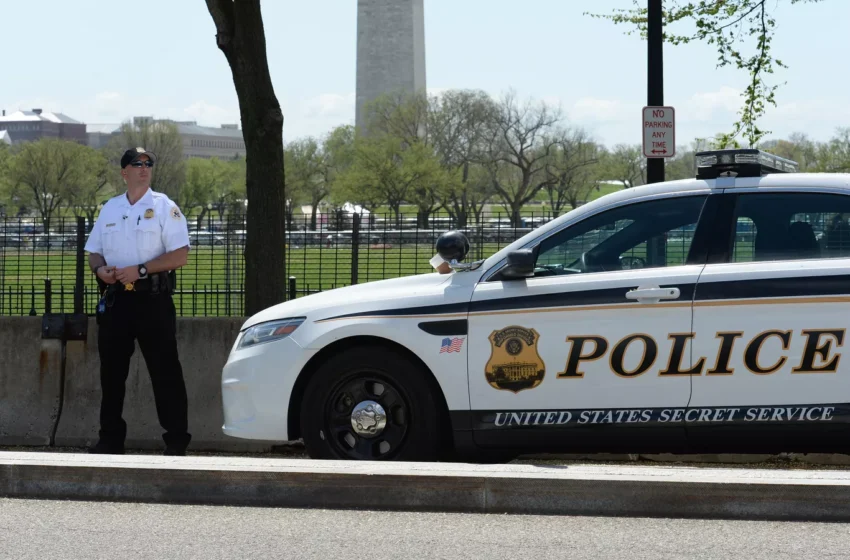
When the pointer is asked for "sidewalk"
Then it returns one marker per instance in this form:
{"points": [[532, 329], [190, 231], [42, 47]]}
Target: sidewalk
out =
{"points": [[574, 489]]}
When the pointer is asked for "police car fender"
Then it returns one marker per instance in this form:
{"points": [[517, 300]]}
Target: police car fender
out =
{"points": [[449, 369], [392, 310], [399, 314]]}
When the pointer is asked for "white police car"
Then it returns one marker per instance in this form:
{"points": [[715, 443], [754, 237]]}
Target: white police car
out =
{"points": [[701, 315]]}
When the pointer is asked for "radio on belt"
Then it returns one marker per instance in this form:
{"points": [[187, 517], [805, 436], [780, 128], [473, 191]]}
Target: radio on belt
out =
{"points": [[746, 162]]}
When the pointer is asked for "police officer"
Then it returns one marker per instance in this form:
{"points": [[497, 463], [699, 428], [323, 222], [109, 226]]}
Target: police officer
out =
{"points": [[137, 239]]}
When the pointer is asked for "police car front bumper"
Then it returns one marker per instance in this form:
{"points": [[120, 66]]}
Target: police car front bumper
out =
{"points": [[256, 385]]}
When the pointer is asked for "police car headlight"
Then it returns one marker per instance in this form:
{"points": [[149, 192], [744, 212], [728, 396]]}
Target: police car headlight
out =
{"points": [[269, 331]]}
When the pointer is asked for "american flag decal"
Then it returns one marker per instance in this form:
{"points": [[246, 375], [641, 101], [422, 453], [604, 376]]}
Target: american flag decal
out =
{"points": [[451, 345]]}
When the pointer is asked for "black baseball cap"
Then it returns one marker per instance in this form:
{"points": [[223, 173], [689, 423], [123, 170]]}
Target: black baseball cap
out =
{"points": [[132, 155]]}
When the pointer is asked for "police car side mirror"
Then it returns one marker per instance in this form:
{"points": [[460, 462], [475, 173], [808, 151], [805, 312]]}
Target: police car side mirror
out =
{"points": [[520, 264]]}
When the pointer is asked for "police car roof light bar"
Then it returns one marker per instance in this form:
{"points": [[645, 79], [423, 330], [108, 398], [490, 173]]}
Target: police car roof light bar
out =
{"points": [[747, 162]]}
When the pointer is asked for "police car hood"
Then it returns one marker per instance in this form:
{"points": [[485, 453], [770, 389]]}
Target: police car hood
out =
{"points": [[410, 291]]}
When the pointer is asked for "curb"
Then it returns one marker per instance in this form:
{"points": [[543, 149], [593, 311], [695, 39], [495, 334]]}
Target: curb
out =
{"points": [[655, 491]]}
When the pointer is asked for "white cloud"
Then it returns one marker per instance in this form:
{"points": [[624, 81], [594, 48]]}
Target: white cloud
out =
{"points": [[207, 114], [811, 110], [329, 105], [593, 110], [552, 101], [705, 106]]}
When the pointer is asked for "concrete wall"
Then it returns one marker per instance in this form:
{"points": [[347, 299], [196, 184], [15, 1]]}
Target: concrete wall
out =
{"points": [[30, 382], [30, 387]]}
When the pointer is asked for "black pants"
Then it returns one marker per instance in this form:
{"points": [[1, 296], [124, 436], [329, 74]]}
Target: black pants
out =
{"points": [[152, 320]]}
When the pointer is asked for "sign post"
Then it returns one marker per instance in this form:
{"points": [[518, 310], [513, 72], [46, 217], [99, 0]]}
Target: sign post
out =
{"points": [[659, 132], [654, 78]]}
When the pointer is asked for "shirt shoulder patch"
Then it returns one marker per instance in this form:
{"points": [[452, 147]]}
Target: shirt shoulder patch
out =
{"points": [[175, 213]]}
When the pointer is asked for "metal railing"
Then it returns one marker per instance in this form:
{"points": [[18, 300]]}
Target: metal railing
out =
{"points": [[45, 267]]}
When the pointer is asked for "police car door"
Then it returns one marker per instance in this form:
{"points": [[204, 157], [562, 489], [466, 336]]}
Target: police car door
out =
{"points": [[772, 316], [593, 350]]}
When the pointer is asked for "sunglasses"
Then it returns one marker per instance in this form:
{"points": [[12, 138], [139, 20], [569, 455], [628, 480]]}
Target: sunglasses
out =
{"points": [[142, 164]]}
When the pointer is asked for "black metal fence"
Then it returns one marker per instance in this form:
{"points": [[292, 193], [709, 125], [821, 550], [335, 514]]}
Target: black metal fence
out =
{"points": [[43, 268]]}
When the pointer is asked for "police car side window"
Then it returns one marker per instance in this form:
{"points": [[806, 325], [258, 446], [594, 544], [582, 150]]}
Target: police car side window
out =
{"points": [[791, 226], [650, 234], [745, 234]]}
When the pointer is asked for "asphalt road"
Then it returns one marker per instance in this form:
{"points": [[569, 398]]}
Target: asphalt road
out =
{"points": [[31, 529]]}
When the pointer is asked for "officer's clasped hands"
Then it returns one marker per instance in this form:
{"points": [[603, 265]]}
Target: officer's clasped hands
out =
{"points": [[107, 274], [127, 274]]}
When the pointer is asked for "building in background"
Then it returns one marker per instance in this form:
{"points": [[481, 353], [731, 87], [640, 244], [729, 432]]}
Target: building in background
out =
{"points": [[205, 142], [99, 135], [390, 50], [26, 126]]}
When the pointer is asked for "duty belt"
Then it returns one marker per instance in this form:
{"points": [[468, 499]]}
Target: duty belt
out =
{"points": [[155, 284]]}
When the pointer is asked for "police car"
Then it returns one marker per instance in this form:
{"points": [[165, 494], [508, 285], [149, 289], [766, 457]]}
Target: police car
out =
{"points": [[703, 315]]}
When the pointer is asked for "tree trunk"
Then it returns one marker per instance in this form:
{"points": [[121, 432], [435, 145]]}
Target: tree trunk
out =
{"points": [[201, 217], [516, 220], [423, 216], [573, 200], [396, 208], [241, 37], [460, 219], [313, 217]]}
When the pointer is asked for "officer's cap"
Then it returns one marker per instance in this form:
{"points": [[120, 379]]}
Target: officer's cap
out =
{"points": [[132, 155]]}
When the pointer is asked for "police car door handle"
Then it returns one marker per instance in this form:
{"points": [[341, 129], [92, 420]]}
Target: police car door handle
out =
{"points": [[653, 294]]}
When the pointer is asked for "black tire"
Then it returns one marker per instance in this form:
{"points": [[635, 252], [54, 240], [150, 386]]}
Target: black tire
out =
{"points": [[381, 375]]}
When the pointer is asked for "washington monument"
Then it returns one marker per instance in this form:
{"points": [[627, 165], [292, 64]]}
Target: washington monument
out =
{"points": [[390, 50]]}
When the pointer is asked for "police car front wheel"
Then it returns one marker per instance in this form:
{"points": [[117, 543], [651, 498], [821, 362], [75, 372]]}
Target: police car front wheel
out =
{"points": [[370, 404]]}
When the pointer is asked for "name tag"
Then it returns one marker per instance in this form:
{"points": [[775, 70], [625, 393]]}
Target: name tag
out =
{"points": [[110, 225]]}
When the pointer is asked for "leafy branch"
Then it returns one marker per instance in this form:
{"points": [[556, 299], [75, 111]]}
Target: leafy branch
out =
{"points": [[741, 31]]}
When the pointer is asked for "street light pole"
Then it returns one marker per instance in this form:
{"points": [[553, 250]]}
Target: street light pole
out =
{"points": [[655, 79]]}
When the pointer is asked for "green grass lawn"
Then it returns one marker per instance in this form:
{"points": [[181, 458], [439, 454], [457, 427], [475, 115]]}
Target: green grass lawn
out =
{"points": [[540, 206], [211, 283]]}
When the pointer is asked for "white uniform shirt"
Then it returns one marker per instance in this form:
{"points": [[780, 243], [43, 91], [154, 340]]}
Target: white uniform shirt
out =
{"points": [[132, 234]]}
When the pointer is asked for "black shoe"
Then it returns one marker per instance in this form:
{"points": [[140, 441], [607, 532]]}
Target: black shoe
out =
{"points": [[106, 449], [174, 451]]}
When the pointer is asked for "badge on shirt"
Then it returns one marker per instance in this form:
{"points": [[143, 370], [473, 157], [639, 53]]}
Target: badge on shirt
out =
{"points": [[175, 213], [149, 213]]}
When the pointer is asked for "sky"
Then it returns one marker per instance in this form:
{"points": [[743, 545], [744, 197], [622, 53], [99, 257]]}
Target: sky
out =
{"points": [[104, 61]]}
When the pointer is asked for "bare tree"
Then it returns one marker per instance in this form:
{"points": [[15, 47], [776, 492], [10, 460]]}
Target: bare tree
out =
{"points": [[834, 156], [386, 170], [307, 172], [798, 147], [402, 115], [44, 172], [91, 192], [458, 128], [162, 138], [626, 164], [241, 37], [519, 143], [569, 169]]}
